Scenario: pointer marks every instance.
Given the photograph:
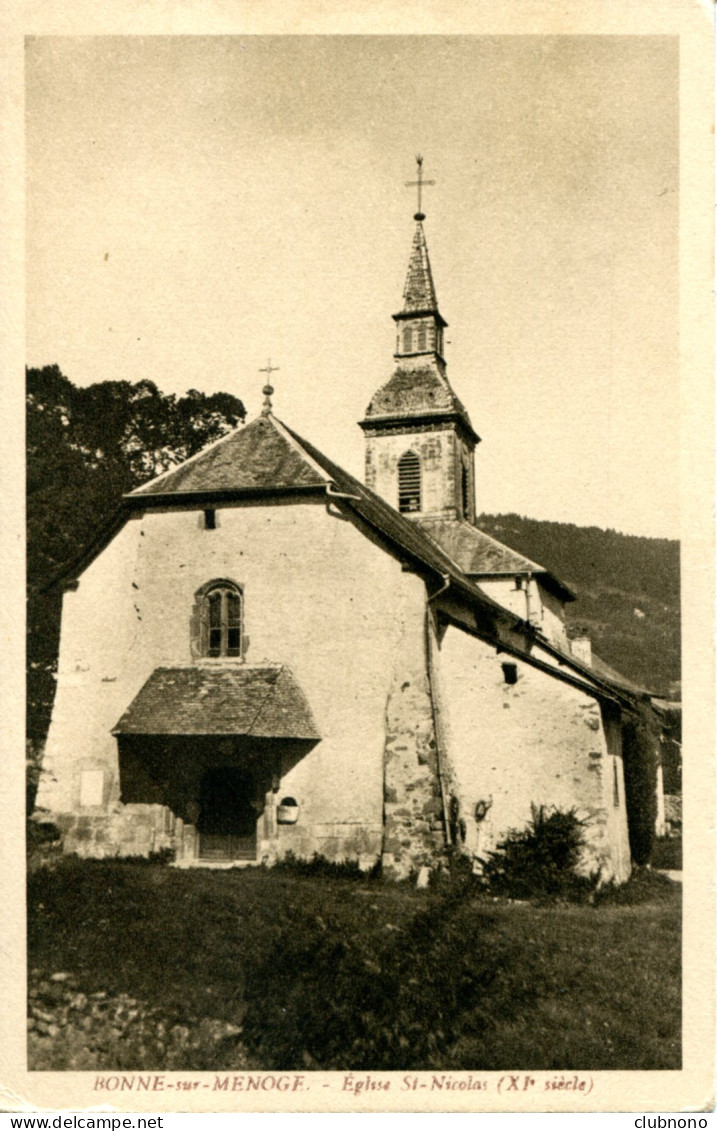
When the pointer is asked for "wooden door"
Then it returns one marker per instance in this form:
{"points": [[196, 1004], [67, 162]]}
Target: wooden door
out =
{"points": [[227, 816]]}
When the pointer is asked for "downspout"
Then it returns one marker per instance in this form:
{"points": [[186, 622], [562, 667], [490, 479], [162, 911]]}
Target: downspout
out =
{"points": [[434, 712], [528, 579], [333, 494]]}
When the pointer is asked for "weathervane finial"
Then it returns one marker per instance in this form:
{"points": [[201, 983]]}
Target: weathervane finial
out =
{"points": [[419, 185], [268, 388]]}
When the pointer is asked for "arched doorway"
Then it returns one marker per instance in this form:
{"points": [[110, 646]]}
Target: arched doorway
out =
{"points": [[228, 810]]}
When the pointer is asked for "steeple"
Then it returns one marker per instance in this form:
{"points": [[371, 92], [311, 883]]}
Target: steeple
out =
{"points": [[420, 324], [419, 437]]}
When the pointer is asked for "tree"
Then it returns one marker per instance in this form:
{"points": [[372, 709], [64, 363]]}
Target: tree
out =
{"points": [[87, 447]]}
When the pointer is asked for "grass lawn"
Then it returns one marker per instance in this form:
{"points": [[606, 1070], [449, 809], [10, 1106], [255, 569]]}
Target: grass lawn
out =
{"points": [[323, 972]]}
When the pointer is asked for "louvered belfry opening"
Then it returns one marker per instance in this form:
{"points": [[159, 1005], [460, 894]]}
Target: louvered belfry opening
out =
{"points": [[409, 483]]}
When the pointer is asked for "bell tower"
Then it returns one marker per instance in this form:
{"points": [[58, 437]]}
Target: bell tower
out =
{"points": [[419, 438]]}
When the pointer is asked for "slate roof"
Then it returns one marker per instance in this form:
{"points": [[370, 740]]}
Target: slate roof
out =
{"points": [[261, 702], [251, 457], [609, 675], [419, 294], [480, 555], [416, 392]]}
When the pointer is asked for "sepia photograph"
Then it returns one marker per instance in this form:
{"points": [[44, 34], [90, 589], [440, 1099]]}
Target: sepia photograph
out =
{"points": [[354, 548]]}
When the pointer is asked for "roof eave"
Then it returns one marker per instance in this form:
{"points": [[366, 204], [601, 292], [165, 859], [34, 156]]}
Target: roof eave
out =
{"points": [[449, 417], [423, 312], [225, 495]]}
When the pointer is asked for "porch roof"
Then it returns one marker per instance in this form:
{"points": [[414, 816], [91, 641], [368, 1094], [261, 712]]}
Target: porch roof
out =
{"points": [[261, 702]]}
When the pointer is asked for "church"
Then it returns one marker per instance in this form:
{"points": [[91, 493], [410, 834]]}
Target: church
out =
{"points": [[265, 655]]}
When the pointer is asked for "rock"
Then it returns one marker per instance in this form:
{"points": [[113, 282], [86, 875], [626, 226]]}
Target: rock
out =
{"points": [[79, 1002], [30, 1023], [61, 976]]}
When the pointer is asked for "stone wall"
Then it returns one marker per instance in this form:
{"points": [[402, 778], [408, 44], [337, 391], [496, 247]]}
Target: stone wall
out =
{"points": [[536, 740], [123, 830], [413, 833], [439, 451]]}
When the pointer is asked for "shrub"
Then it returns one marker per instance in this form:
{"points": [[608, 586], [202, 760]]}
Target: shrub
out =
{"points": [[540, 860]]}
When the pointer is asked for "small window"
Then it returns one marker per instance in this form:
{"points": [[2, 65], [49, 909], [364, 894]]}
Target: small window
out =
{"points": [[421, 343], [510, 673], [218, 620], [407, 340], [519, 583], [409, 483], [210, 520], [615, 784]]}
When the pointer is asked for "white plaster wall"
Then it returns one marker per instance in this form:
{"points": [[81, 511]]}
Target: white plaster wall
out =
{"points": [[502, 590], [553, 618], [318, 596], [542, 609], [539, 741]]}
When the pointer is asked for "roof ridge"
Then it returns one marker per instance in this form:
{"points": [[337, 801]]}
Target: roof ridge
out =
{"points": [[291, 439]]}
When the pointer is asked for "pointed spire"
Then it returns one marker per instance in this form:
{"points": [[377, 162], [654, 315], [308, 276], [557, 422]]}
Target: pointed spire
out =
{"points": [[419, 294]]}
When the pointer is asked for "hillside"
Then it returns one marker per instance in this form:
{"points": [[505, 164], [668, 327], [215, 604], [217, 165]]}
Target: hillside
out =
{"points": [[628, 590]]}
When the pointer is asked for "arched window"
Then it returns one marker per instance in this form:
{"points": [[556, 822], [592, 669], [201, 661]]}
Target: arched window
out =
{"points": [[217, 621], [409, 483]]}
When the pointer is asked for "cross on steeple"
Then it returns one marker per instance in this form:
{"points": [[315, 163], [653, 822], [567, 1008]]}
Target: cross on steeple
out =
{"points": [[419, 184], [268, 388]]}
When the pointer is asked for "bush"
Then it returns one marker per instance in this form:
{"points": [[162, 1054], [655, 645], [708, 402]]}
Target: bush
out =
{"points": [[541, 860]]}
